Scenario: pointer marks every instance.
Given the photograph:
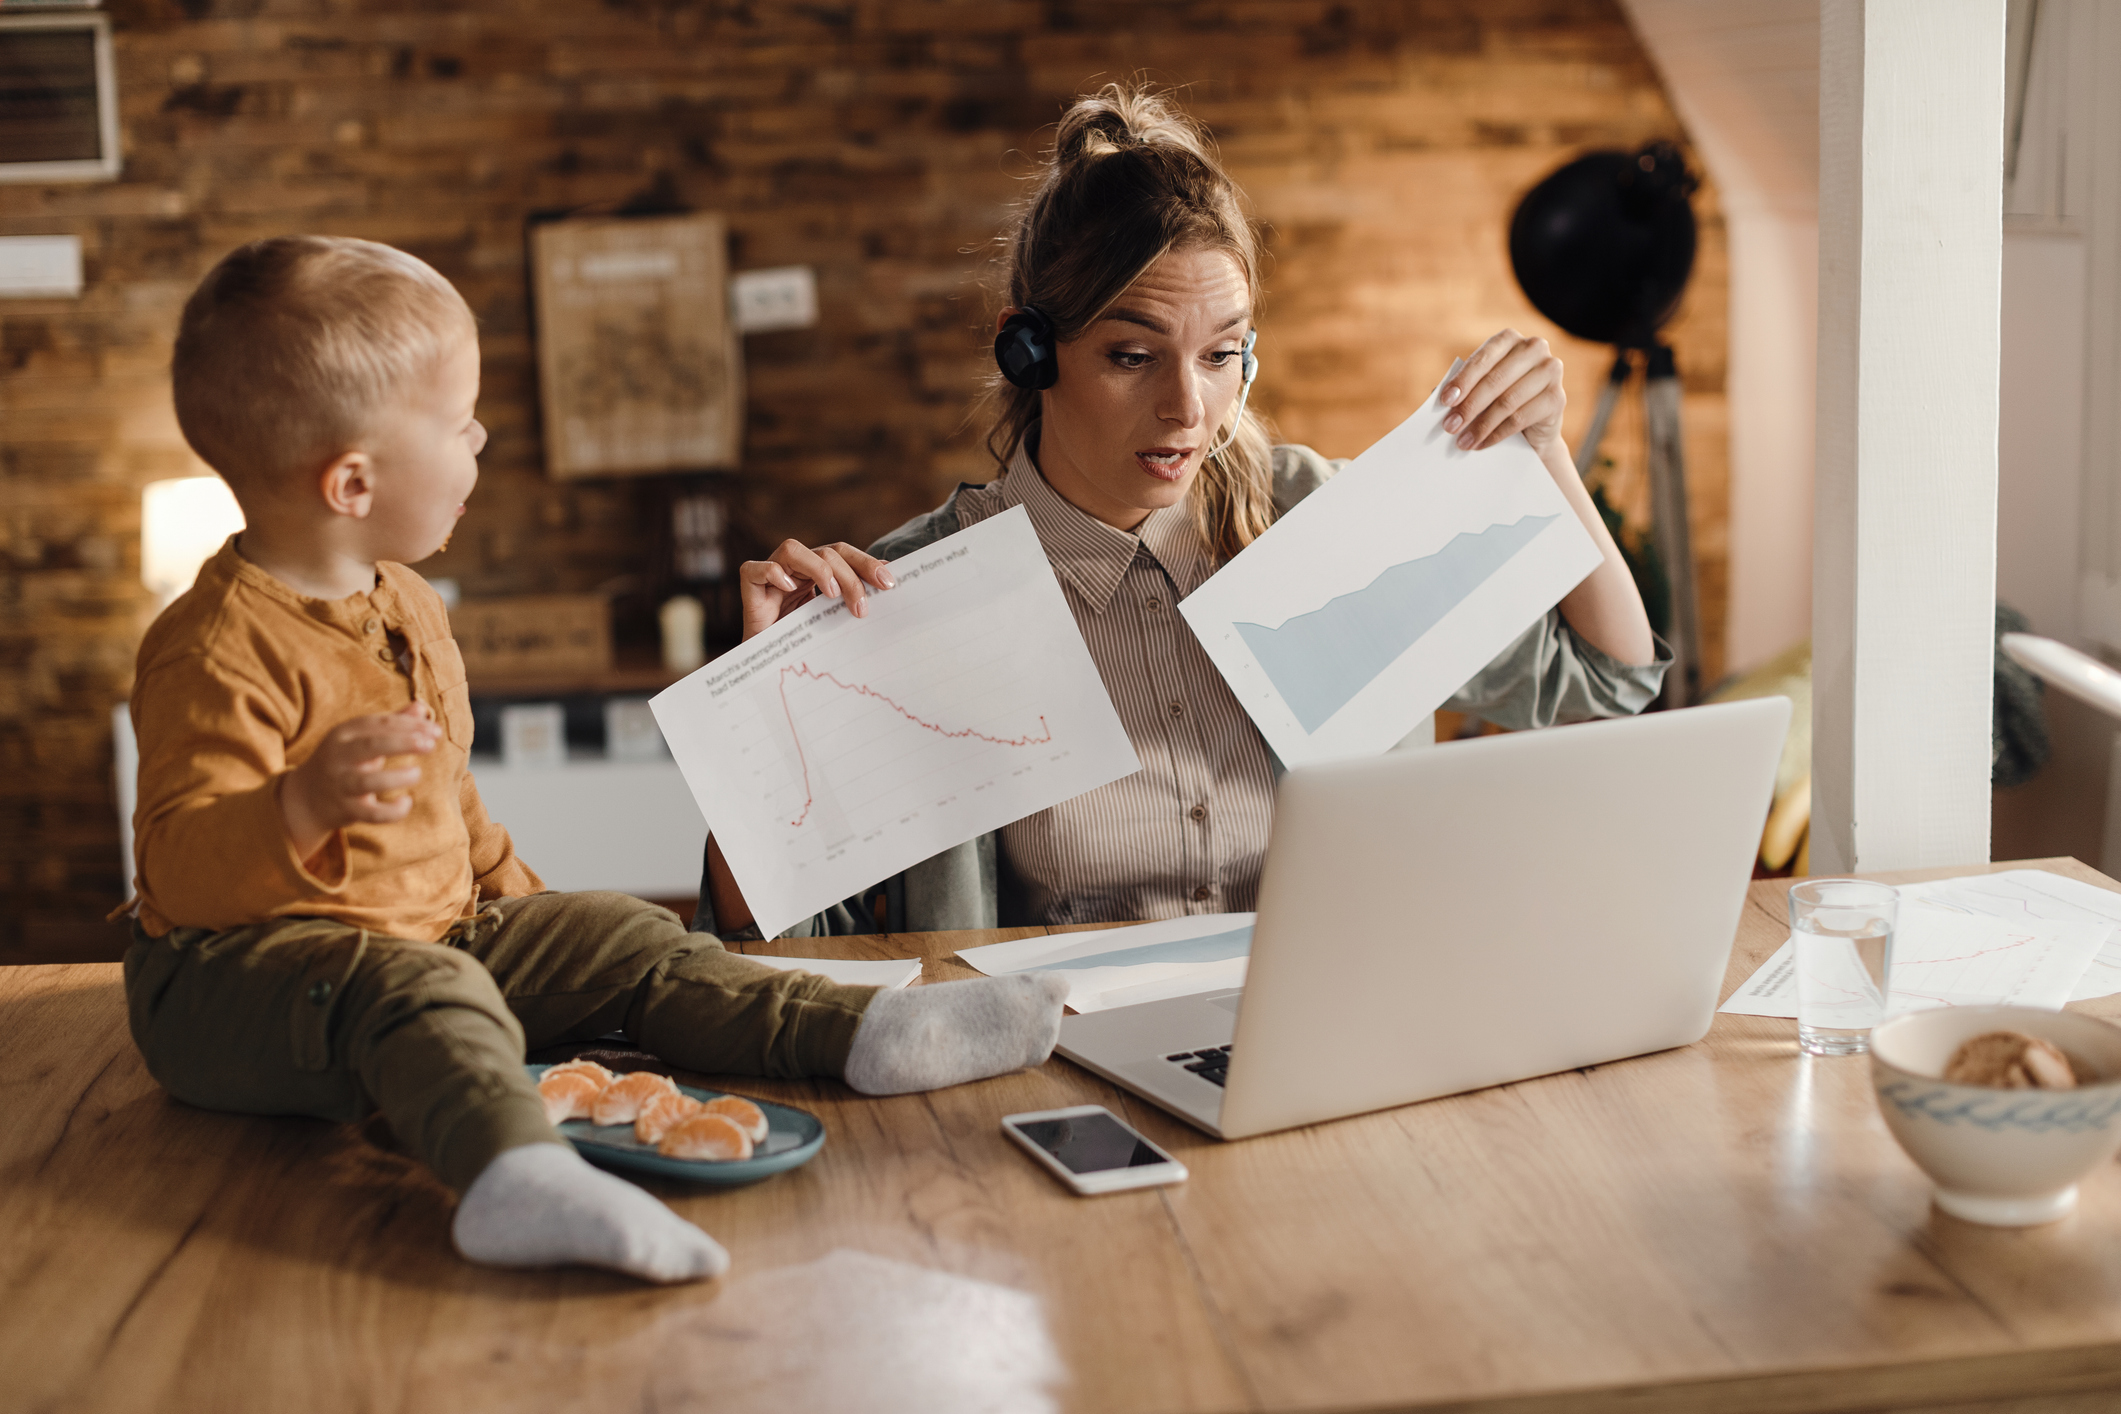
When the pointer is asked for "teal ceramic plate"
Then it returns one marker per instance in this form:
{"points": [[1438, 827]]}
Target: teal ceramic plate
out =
{"points": [[793, 1138]]}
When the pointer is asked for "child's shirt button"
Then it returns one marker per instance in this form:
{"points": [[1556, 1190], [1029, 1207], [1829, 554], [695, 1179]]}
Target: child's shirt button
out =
{"points": [[371, 625], [320, 992], [384, 655]]}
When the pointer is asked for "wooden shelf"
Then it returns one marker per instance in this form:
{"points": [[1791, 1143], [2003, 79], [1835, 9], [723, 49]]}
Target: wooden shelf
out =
{"points": [[633, 673]]}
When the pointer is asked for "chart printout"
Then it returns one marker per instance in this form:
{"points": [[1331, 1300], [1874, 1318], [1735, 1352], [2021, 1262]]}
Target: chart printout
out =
{"points": [[1384, 591], [831, 752], [1944, 954]]}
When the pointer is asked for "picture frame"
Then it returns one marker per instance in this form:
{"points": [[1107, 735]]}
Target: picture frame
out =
{"points": [[639, 365], [59, 98]]}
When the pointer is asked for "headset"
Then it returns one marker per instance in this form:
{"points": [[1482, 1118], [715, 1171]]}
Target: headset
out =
{"points": [[1023, 350]]}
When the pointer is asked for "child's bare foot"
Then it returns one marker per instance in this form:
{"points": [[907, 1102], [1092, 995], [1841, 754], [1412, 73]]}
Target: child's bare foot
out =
{"points": [[927, 1037], [541, 1205]]}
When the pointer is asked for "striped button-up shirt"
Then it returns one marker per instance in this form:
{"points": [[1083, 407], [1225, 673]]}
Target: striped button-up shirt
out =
{"points": [[1187, 832]]}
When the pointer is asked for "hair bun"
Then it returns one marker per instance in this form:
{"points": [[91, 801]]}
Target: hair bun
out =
{"points": [[1116, 118]]}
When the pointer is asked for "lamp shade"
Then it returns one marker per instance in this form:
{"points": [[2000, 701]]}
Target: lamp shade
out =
{"points": [[182, 523], [2078, 674]]}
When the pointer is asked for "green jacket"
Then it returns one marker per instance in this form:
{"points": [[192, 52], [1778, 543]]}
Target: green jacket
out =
{"points": [[1547, 675]]}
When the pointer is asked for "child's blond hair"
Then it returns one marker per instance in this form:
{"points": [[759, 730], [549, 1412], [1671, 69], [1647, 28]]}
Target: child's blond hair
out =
{"points": [[291, 347]]}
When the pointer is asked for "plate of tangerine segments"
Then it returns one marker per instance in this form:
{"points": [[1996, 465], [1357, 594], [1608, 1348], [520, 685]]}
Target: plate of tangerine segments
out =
{"points": [[646, 1121]]}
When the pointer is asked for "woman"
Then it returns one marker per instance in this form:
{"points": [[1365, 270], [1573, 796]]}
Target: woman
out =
{"points": [[1122, 430]]}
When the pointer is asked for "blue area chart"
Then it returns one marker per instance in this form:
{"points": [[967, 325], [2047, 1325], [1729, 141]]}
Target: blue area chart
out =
{"points": [[1215, 947], [1319, 661]]}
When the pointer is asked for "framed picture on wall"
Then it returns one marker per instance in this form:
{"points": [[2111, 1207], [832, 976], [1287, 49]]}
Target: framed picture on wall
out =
{"points": [[58, 99], [639, 368]]}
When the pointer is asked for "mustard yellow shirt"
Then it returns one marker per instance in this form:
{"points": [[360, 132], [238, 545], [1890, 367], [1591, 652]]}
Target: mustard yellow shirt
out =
{"points": [[239, 680]]}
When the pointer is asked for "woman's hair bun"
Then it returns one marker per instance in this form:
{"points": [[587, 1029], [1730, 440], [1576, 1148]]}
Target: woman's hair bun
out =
{"points": [[1116, 118]]}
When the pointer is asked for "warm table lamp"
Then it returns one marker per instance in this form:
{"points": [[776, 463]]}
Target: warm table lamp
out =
{"points": [[182, 523]]}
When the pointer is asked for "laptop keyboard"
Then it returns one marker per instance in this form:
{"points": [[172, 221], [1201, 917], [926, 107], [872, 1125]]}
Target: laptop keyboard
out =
{"points": [[1211, 1065]]}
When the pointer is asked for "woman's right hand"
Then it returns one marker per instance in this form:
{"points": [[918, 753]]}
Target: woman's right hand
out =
{"points": [[796, 573]]}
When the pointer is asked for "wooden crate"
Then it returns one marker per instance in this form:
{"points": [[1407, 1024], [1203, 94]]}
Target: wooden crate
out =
{"points": [[532, 638]]}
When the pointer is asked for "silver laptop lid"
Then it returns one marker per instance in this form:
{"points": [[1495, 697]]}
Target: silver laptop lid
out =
{"points": [[1442, 920]]}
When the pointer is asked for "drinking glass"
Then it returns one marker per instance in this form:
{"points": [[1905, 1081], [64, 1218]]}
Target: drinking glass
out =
{"points": [[1843, 933]]}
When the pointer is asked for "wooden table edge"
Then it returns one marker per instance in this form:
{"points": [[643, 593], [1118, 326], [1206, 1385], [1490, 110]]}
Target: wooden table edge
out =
{"points": [[1967, 1380]]}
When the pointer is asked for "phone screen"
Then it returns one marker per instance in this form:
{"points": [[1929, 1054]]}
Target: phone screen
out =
{"points": [[1091, 1143]]}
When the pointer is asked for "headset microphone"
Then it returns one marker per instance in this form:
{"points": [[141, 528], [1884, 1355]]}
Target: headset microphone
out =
{"points": [[1250, 365]]}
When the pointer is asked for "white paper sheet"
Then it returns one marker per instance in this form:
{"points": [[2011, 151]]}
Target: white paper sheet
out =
{"points": [[2037, 894], [1384, 591], [894, 972], [830, 752], [1206, 952], [1946, 958]]}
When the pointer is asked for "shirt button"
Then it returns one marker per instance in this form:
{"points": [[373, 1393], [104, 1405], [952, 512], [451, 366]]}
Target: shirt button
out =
{"points": [[371, 625], [1199, 812], [1156, 604], [384, 655], [320, 993], [1200, 895], [1178, 709]]}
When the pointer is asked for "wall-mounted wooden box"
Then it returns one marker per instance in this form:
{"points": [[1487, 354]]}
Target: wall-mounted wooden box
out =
{"points": [[533, 638]]}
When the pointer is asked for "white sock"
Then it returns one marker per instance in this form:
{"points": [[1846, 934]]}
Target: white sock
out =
{"points": [[542, 1205], [923, 1038]]}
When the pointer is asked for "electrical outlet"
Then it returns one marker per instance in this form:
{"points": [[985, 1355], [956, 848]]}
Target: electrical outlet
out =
{"points": [[40, 267], [784, 297]]}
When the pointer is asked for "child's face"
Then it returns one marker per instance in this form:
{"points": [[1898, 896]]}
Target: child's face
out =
{"points": [[425, 459]]}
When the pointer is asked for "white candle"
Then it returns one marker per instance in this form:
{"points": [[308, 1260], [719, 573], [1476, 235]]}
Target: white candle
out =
{"points": [[684, 624]]}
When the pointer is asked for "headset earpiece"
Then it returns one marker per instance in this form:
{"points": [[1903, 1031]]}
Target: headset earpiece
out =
{"points": [[1023, 350], [1248, 365]]}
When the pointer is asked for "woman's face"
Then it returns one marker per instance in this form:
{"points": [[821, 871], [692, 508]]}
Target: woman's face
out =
{"points": [[1142, 392]]}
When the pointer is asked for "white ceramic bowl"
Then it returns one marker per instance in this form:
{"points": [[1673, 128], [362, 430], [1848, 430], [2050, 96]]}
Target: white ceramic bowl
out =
{"points": [[2008, 1158]]}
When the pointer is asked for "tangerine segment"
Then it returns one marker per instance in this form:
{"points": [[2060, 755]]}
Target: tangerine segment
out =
{"points": [[568, 1095], [743, 1114], [706, 1136], [659, 1114], [623, 1099]]}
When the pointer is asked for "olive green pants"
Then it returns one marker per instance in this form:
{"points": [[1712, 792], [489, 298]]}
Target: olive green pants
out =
{"points": [[309, 1016]]}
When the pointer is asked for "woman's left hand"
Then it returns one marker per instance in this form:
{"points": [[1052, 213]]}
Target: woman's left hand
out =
{"points": [[1511, 384]]}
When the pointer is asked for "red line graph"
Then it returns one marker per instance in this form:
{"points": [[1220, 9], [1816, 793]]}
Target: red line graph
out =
{"points": [[804, 670]]}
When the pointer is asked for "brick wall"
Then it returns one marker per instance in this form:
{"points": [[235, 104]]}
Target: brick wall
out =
{"points": [[1384, 144]]}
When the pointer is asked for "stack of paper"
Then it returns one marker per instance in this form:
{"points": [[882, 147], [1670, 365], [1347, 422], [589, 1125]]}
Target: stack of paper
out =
{"points": [[893, 972], [1125, 966], [2022, 938]]}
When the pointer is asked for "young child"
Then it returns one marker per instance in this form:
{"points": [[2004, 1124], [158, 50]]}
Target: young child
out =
{"points": [[327, 922]]}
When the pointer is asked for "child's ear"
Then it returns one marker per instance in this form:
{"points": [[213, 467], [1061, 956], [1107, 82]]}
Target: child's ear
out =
{"points": [[348, 485]]}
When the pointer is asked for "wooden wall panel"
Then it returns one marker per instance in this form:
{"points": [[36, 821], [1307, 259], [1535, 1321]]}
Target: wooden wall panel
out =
{"points": [[1384, 144]]}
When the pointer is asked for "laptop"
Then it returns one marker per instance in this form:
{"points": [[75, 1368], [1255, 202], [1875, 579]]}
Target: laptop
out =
{"points": [[1437, 921]]}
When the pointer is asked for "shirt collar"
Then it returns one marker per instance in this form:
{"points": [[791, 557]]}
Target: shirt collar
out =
{"points": [[350, 613], [1093, 557]]}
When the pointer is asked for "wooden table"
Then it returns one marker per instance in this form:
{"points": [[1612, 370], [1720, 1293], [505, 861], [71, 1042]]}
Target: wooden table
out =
{"points": [[1726, 1226]]}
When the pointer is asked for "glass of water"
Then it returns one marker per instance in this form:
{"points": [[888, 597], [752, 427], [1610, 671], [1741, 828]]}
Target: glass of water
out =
{"points": [[1843, 932]]}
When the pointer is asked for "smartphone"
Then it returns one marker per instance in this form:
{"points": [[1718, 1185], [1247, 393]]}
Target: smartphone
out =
{"points": [[1092, 1150]]}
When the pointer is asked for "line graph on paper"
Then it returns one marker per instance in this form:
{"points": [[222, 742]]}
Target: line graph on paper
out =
{"points": [[2034, 897], [829, 752], [1950, 954], [1940, 960], [861, 753]]}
